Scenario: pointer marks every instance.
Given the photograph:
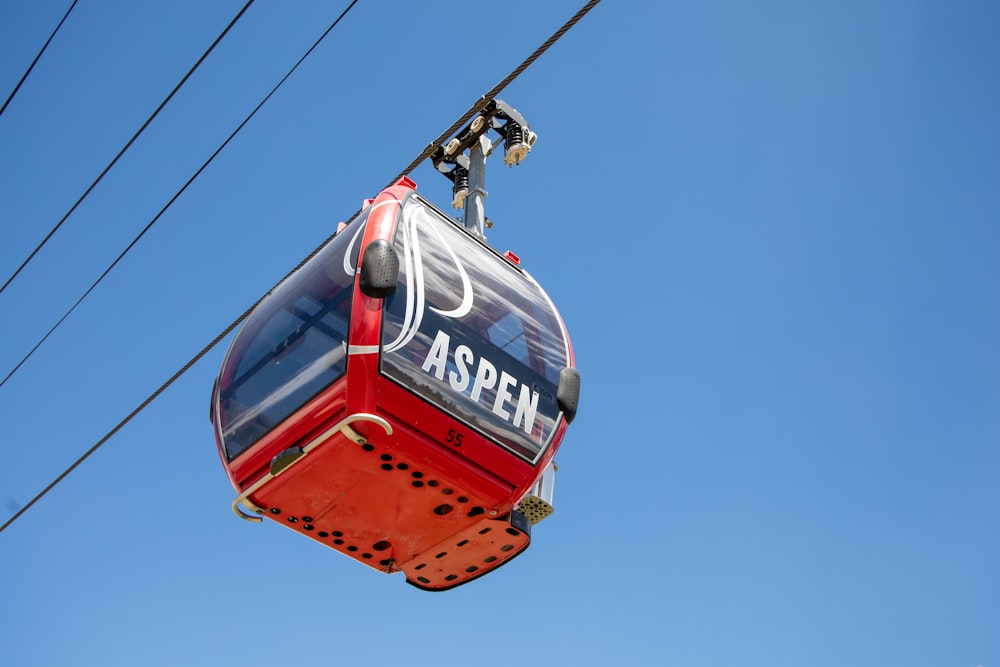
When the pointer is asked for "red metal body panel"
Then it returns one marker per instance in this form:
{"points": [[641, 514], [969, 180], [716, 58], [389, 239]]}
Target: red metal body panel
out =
{"points": [[418, 499]]}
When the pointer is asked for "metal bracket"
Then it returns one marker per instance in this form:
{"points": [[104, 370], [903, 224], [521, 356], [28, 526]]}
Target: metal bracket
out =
{"points": [[467, 173], [537, 502], [343, 427], [495, 115]]}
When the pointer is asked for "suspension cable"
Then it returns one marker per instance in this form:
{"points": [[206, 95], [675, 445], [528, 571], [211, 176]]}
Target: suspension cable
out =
{"points": [[174, 198], [427, 152], [497, 89], [126, 147], [33, 62]]}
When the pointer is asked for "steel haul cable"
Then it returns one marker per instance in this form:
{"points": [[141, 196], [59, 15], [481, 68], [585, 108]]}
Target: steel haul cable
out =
{"points": [[35, 61], [170, 203], [122, 151], [497, 89], [427, 151]]}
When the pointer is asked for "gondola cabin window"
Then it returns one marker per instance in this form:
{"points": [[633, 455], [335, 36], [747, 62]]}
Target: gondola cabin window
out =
{"points": [[472, 333], [292, 347]]}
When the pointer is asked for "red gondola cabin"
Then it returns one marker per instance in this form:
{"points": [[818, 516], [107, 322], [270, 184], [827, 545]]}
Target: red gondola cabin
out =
{"points": [[399, 396]]}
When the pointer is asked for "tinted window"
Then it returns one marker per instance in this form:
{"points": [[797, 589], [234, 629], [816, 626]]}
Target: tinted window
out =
{"points": [[291, 347], [471, 333]]}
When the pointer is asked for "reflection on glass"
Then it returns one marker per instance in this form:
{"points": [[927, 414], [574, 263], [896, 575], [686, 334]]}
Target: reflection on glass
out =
{"points": [[291, 347], [472, 334]]}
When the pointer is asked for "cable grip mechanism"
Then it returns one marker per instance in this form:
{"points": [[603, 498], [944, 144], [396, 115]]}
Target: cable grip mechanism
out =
{"points": [[462, 159]]}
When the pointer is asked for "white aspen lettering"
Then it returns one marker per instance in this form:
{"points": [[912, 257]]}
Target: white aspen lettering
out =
{"points": [[503, 394], [459, 381], [437, 357], [527, 406], [486, 377]]}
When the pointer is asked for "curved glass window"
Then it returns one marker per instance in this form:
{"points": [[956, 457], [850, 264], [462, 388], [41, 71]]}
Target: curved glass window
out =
{"points": [[471, 333], [291, 347]]}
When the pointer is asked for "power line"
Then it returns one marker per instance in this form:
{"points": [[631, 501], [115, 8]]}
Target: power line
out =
{"points": [[32, 65], [127, 146], [173, 199], [427, 151]]}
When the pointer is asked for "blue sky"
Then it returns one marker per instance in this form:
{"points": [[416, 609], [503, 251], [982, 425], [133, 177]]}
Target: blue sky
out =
{"points": [[772, 228]]}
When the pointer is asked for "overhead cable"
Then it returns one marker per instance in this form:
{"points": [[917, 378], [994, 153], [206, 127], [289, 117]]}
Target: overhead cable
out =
{"points": [[127, 145], [32, 65], [172, 199], [497, 89], [427, 152]]}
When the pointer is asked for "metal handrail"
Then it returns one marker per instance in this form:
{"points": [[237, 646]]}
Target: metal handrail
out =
{"points": [[343, 426]]}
